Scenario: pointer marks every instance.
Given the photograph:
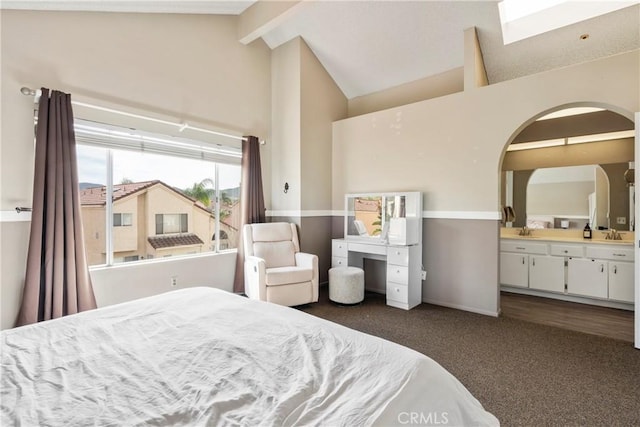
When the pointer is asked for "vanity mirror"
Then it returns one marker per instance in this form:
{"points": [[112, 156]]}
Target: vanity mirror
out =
{"points": [[570, 196], [382, 218]]}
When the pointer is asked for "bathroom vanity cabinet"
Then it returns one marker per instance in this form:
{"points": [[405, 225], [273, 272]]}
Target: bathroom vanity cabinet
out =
{"points": [[594, 272]]}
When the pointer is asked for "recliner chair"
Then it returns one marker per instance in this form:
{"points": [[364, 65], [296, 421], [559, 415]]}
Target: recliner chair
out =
{"points": [[274, 269]]}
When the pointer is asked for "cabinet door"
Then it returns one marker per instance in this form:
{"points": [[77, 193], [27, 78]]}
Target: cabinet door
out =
{"points": [[621, 281], [514, 269], [546, 273], [587, 277]]}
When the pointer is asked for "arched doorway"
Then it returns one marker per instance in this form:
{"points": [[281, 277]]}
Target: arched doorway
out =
{"points": [[571, 136]]}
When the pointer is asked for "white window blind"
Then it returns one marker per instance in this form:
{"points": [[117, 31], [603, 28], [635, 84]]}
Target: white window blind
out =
{"points": [[111, 136]]}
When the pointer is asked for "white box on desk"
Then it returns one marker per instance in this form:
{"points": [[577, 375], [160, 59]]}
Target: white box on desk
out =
{"points": [[403, 231]]}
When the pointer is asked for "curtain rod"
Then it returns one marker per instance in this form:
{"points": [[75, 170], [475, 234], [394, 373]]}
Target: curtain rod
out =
{"points": [[181, 126]]}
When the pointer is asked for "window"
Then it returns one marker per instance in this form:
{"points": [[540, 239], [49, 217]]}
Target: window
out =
{"points": [[162, 200], [122, 219], [172, 223]]}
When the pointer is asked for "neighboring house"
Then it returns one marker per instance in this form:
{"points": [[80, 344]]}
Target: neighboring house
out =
{"points": [[369, 212], [229, 225], [150, 220]]}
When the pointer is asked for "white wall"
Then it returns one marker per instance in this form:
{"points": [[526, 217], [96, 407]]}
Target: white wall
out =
{"points": [[185, 67], [130, 281]]}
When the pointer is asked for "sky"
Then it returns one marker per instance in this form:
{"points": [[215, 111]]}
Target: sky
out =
{"points": [[136, 166]]}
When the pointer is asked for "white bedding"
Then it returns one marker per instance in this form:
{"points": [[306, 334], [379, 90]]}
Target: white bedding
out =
{"points": [[202, 356]]}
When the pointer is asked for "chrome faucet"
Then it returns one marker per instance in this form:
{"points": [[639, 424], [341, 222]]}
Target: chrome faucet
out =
{"points": [[525, 231], [613, 235]]}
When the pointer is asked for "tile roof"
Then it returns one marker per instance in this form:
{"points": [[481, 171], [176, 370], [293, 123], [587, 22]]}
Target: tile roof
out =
{"points": [[173, 240], [371, 205], [98, 195]]}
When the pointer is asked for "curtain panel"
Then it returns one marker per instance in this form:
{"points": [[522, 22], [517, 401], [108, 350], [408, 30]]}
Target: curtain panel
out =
{"points": [[251, 200], [57, 280]]}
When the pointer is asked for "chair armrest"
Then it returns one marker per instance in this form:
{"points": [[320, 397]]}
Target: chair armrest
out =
{"points": [[255, 273], [309, 261]]}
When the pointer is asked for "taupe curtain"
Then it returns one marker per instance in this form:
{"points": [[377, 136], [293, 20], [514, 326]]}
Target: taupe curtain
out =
{"points": [[57, 279], [251, 200]]}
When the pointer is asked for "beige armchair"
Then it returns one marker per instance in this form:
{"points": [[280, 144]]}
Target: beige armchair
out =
{"points": [[275, 270]]}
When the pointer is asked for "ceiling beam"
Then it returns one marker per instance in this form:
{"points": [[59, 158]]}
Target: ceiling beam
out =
{"points": [[263, 16]]}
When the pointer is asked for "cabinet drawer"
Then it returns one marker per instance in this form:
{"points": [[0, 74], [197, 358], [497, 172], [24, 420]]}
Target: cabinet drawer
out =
{"points": [[397, 292], [398, 255], [567, 250], [338, 261], [524, 247], [610, 253], [339, 248], [398, 274]]}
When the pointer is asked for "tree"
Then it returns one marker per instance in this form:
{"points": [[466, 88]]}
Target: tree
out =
{"points": [[126, 180], [200, 192]]}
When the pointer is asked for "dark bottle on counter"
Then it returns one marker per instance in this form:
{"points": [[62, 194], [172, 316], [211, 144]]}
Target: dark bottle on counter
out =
{"points": [[587, 232]]}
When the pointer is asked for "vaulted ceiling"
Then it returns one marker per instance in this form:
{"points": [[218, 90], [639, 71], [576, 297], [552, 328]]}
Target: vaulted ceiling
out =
{"points": [[369, 46]]}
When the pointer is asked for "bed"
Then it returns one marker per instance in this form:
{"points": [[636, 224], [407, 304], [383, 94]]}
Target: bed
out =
{"points": [[202, 356]]}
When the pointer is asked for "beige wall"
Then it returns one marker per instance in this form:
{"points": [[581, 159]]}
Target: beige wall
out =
{"points": [[306, 101], [94, 226], [187, 67], [322, 103], [126, 238], [451, 148], [442, 84], [285, 146]]}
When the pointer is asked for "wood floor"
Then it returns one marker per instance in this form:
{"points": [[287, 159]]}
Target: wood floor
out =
{"points": [[609, 322]]}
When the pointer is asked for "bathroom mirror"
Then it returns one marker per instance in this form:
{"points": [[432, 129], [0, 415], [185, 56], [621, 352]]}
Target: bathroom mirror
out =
{"points": [[370, 216], [569, 197]]}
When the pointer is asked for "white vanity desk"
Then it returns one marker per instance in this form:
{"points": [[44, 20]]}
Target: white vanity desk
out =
{"points": [[404, 267], [394, 238]]}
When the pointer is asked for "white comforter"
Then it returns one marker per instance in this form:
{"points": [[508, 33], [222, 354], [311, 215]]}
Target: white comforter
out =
{"points": [[201, 356]]}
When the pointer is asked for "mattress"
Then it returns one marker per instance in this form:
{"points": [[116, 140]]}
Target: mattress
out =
{"points": [[206, 357]]}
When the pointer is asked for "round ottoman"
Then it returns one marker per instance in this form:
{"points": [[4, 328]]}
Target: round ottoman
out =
{"points": [[346, 285]]}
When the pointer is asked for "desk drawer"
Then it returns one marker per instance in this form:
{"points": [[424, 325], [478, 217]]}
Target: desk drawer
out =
{"points": [[338, 261], [397, 292], [367, 248], [398, 255], [398, 274], [339, 248]]}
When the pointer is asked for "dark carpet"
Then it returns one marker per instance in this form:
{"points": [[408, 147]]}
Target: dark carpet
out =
{"points": [[524, 373]]}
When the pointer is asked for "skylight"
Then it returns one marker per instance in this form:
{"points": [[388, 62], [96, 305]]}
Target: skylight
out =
{"points": [[522, 19]]}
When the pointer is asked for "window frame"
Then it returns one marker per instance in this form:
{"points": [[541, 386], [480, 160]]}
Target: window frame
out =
{"points": [[215, 154], [122, 223]]}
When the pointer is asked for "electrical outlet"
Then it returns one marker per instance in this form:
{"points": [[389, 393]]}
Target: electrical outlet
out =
{"points": [[424, 275], [174, 280], [621, 220]]}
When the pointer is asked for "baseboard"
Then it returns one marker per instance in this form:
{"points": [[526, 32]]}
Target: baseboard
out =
{"points": [[569, 298], [462, 307]]}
